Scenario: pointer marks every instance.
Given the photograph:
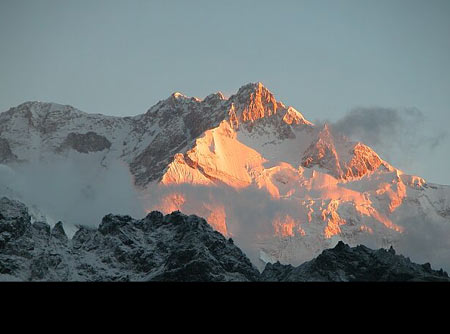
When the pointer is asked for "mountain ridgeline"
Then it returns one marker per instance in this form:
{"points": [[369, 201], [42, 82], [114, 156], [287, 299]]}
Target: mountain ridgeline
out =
{"points": [[285, 189], [175, 247]]}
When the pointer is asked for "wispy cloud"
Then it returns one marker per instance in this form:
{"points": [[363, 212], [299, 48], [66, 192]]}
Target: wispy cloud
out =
{"points": [[398, 135]]}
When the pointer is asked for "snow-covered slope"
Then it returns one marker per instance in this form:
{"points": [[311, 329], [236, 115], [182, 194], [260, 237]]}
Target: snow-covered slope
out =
{"points": [[257, 170]]}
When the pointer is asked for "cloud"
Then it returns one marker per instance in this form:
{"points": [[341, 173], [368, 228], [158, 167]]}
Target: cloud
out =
{"points": [[400, 136], [426, 240], [249, 212], [83, 194], [76, 193]]}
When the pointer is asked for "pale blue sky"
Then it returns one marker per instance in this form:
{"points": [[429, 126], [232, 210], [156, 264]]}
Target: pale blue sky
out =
{"points": [[322, 57]]}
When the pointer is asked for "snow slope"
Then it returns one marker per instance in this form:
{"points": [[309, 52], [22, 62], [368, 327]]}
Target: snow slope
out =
{"points": [[257, 170]]}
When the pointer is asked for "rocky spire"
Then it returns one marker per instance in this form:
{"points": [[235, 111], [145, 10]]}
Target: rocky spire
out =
{"points": [[254, 101], [322, 153]]}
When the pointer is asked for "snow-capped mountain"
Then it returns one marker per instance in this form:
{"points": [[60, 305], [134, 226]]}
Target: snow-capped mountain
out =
{"points": [[257, 170]]}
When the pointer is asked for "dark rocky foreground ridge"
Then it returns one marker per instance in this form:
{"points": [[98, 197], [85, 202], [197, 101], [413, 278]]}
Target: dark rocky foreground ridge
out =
{"points": [[354, 264], [174, 247]]}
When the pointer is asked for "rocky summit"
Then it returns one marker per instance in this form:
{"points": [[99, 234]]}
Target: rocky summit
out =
{"points": [[175, 247]]}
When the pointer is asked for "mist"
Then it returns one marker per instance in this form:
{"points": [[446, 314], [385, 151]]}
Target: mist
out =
{"points": [[78, 193], [250, 213], [426, 241]]}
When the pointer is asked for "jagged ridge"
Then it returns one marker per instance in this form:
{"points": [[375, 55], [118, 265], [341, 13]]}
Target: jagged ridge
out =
{"points": [[324, 186], [174, 247], [354, 264]]}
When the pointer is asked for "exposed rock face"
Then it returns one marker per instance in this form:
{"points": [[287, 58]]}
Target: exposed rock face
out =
{"points": [[86, 142], [175, 247], [346, 264], [364, 160], [11, 209], [354, 161], [178, 120], [255, 102], [322, 153], [255, 109], [6, 155]]}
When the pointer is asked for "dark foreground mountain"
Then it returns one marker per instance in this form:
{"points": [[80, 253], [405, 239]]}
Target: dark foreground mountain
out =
{"points": [[346, 264], [175, 247]]}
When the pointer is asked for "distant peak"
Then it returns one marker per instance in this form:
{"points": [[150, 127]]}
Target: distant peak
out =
{"points": [[252, 88], [29, 104], [174, 99], [258, 85], [177, 95], [253, 93], [38, 108], [294, 116], [218, 96], [326, 127], [326, 132]]}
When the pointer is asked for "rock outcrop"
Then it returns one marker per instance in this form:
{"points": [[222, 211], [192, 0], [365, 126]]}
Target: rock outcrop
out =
{"points": [[86, 142]]}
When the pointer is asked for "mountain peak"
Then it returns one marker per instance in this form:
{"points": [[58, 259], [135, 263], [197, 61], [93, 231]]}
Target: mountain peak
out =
{"points": [[37, 109], [214, 97], [42, 104], [326, 132], [253, 101], [177, 95], [253, 88]]}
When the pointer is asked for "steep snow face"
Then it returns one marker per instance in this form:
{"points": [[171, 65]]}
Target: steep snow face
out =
{"points": [[217, 157], [282, 187], [174, 124]]}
